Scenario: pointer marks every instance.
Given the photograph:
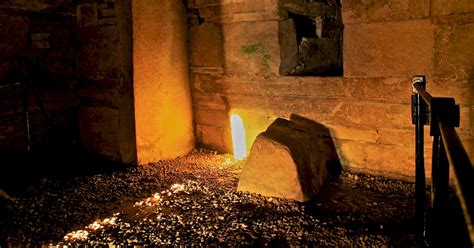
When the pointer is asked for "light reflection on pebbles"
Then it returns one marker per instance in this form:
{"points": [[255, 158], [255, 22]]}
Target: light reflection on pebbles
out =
{"points": [[155, 200]]}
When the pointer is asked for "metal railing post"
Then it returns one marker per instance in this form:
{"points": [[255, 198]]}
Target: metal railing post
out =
{"points": [[439, 191], [419, 119]]}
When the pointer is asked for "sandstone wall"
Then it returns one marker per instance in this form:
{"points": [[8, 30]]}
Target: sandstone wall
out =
{"points": [[368, 109], [105, 89], [38, 48], [163, 111]]}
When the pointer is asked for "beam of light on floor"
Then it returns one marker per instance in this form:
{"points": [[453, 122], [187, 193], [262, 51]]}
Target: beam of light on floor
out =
{"points": [[238, 136]]}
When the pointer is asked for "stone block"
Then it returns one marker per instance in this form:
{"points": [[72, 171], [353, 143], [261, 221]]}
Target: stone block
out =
{"points": [[104, 13], [468, 143], [57, 68], [107, 21], [251, 48], [288, 46], [40, 36], [13, 33], [388, 49], [394, 161], [285, 161], [453, 51], [449, 7], [359, 11], [62, 37], [382, 89], [42, 44], [461, 90], [97, 35], [370, 115], [209, 101], [215, 138], [472, 121], [207, 82], [161, 86], [87, 14], [105, 63], [465, 122], [103, 6], [351, 133], [104, 92], [211, 117], [325, 87], [99, 128], [398, 136], [229, 8], [262, 87], [206, 43]]}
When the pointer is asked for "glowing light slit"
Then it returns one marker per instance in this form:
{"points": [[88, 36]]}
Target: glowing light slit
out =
{"points": [[238, 136]]}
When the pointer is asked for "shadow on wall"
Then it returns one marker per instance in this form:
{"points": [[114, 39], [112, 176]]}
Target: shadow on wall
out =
{"points": [[323, 136]]}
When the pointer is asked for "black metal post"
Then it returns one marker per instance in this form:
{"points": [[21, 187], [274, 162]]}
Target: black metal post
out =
{"points": [[439, 191], [420, 193]]}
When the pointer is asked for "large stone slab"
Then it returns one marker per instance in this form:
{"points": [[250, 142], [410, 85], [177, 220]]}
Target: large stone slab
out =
{"points": [[453, 51], [206, 41], [288, 160], [388, 49], [449, 7], [163, 105], [365, 11], [251, 48]]}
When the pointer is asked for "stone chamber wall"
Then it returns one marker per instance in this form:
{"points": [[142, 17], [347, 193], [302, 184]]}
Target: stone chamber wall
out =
{"points": [[235, 60], [38, 49], [105, 90], [77, 57]]}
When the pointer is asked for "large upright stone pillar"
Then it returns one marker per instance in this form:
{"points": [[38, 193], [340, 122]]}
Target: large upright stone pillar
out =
{"points": [[163, 108]]}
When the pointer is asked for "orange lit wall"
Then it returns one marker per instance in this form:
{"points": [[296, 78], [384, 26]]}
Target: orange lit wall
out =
{"points": [[163, 110], [235, 59]]}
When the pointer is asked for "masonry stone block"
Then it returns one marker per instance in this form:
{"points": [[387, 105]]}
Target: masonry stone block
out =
{"points": [[206, 44], [388, 49], [232, 7], [251, 48], [14, 34], [87, 14], [461, 90], [448, 7], [376, 88], [62, 37], [105, 63], [216, 138], [288, 46], [472, 121], [453, 51], [98, 35], [105, 92], [393, 161], [359, 11], [371, 115], [98, 130]]}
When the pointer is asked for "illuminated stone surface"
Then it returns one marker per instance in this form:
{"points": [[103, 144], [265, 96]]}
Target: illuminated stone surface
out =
{"points": [[286, 161], [163, 110], [367, 110]]}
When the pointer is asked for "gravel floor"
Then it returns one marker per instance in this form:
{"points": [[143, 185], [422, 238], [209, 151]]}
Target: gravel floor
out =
{"points": [[192, 201]]}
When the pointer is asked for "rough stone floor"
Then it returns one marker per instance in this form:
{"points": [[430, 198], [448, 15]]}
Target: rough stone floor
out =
{"points": [[192, 201]]}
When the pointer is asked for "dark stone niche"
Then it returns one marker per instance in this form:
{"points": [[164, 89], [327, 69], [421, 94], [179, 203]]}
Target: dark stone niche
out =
{"points": [[310, 38]]}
